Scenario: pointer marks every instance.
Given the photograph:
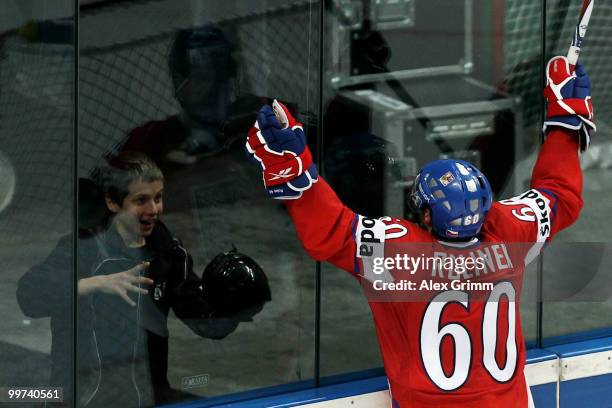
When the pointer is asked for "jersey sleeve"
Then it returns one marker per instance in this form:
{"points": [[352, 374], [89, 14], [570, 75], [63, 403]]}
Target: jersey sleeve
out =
{"points": [[332, 232], [325, 226], [553, 202]]}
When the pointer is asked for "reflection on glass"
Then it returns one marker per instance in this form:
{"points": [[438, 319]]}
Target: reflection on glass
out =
{"points": [[36, 200], [184, 91], [408, 87], [132, 271], [581, 257]]}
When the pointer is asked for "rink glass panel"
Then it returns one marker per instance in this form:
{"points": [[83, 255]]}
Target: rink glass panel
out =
{"points": [[218, 202], [36, 189], [581, 257], [488, 62], [407, 86]]}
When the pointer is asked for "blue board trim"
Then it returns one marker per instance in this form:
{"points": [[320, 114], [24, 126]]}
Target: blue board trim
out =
{"points": [[351, 384], [242, 397], [545, 395], [357, 375], [539, 355], [308, 396], [582, 347], [547, 342], [591, 392], [287, 396]]}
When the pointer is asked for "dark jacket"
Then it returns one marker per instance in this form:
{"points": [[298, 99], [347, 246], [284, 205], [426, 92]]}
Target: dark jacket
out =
{"points": [[122, 351]]}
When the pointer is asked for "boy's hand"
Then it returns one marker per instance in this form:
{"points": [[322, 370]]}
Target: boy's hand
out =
{"points": [[117, 283]]}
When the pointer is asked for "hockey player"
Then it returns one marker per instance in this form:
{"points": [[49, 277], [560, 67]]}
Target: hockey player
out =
{"points": [[483, 364]]}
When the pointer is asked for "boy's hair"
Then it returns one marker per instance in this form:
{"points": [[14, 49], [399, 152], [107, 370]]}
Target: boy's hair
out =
{"points": [[127, 167]]}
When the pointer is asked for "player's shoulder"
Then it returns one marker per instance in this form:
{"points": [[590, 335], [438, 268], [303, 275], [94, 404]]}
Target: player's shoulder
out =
{"points": [[517, 217], [531, 206], [385, 229]]}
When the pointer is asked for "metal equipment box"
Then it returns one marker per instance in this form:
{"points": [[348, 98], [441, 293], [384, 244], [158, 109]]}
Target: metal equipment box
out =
{"points": [[447, 116]]}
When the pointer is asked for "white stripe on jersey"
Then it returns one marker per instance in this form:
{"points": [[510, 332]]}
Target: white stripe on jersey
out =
{"points": [[370, 240], [540, 212]]}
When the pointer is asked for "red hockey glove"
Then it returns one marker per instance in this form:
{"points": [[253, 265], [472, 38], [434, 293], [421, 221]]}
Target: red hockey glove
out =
{"points": [[278, 144], [568, 98]]}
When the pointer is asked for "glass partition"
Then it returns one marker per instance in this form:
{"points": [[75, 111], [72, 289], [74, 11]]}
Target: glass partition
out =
{"points": [[577, 267], [37, 58], [181, 84], [406, 85], [190, 281]]}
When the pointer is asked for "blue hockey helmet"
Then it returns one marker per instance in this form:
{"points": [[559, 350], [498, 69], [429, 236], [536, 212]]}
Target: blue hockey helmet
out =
{"points": [[203, 53], [457, 193]]}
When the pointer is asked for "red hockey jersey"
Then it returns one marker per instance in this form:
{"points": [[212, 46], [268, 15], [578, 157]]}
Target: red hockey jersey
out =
{"points": [[454, 350]]}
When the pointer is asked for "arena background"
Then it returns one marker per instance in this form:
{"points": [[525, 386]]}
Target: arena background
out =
{"points": [[123, 81]]}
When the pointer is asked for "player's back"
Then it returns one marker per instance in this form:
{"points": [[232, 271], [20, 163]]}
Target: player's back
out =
{"points": [[454, 338], [457, 349]]}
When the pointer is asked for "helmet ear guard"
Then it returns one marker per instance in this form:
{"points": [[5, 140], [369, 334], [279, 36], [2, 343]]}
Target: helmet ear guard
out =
{"points": [[458, 195]]}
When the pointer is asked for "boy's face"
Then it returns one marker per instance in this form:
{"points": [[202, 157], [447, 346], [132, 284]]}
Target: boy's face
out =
{"points": [[140, 209]]}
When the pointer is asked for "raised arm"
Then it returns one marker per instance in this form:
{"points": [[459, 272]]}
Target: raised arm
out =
{"points": [[325, 226], [555, 199], [569, 121], [328, 230], [557, 174]]}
